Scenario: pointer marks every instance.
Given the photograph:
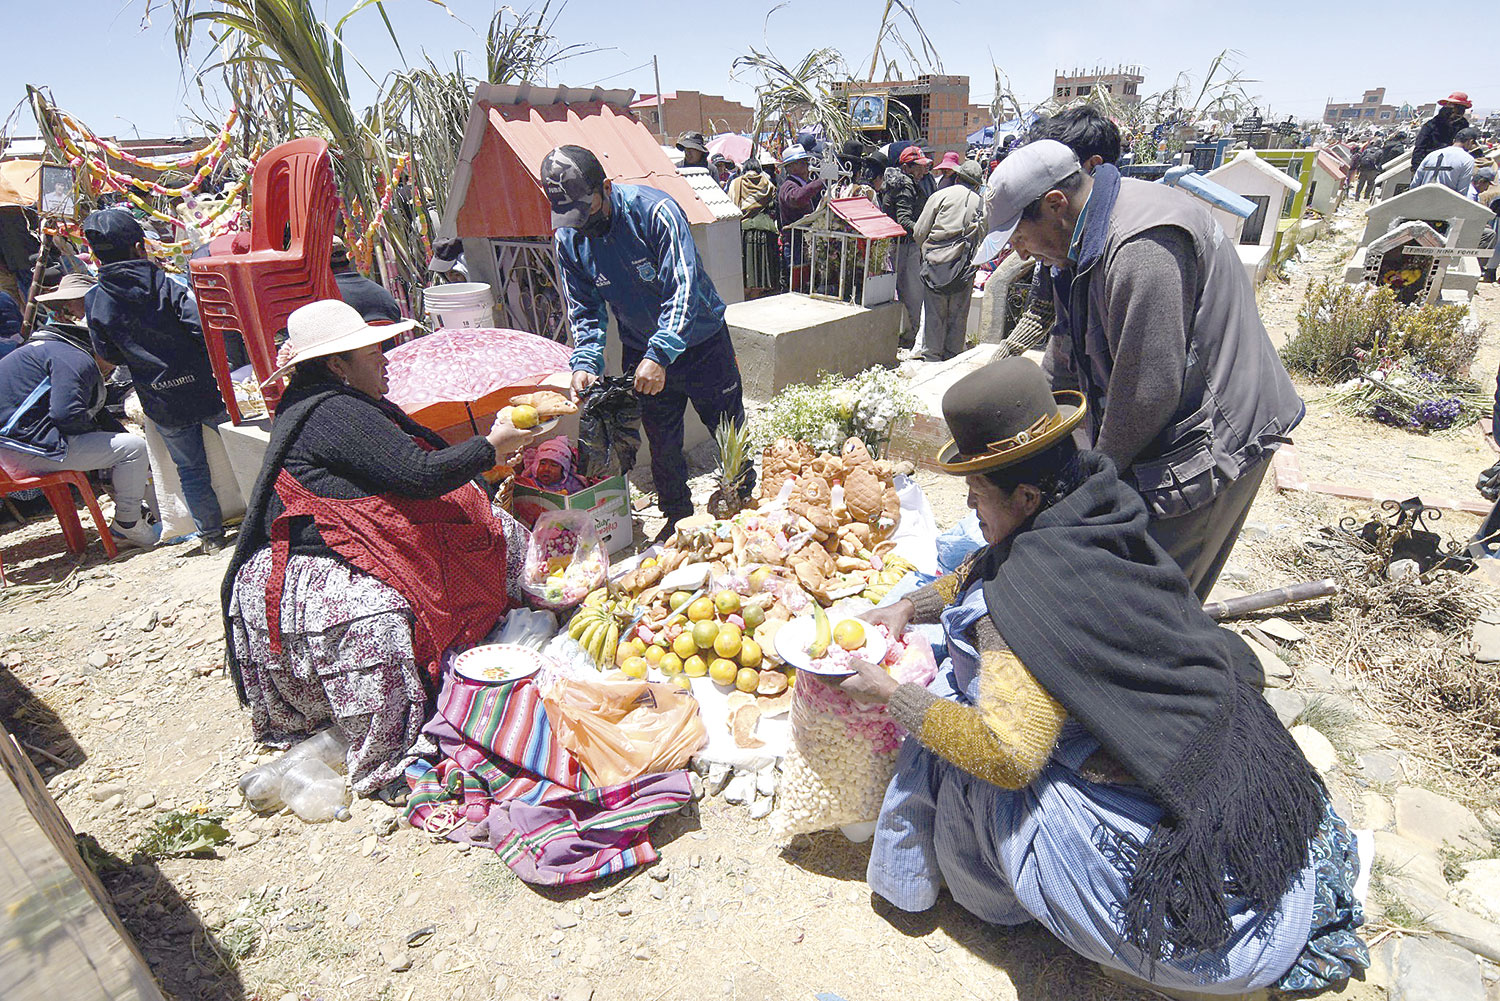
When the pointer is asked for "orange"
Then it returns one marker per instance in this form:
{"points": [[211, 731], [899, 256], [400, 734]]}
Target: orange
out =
{"points": [[701, 610], [654, 654], [849, 634], [747, 679], [728, 643], [635, 667], [723, 671], [727, 602], [683, 646], [695, 666], [704, 633], [669, 664], [750, 654]]}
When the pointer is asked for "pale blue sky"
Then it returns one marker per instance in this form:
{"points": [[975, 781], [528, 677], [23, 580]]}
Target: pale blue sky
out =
{"points": [[103, 66]]}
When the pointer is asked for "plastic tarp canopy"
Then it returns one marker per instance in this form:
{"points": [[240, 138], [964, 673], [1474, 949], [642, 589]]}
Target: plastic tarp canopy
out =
{"points": [[20, 182]]}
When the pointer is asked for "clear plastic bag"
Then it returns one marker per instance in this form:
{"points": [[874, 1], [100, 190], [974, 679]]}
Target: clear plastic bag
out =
{"points": [[565, 559], [843, 753], [620, 728]]}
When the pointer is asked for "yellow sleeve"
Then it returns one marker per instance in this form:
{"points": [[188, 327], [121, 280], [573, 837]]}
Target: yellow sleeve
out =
{"points": [[1007, 737]]}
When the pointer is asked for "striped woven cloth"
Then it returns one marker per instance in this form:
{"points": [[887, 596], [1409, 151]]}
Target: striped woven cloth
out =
{"points": [[505, 781]]}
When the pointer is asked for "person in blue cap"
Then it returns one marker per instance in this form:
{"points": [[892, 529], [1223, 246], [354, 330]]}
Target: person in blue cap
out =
{"points": [[629, 248], [138, 317]]}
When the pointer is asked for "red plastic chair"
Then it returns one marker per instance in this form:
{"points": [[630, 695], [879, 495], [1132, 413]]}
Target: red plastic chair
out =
{"points": [[294, 204], [54, 487]]}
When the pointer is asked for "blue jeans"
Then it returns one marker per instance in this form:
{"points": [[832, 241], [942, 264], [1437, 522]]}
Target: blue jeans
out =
{"points": [[185, 445]]}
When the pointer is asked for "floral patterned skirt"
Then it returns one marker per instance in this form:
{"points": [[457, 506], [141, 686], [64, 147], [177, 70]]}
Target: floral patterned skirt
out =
{"points": [[346, 658], [1334, 950]]}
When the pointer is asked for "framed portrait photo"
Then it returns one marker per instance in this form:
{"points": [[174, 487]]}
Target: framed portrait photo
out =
{"points": [[867, 111], [57, 194]]}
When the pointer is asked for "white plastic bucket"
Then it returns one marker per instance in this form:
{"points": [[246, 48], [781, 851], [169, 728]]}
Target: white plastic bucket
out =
{"points": [[462, 304]]}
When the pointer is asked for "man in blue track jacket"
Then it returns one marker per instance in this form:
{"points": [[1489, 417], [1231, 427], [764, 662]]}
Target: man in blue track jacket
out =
{"points": [[629, 248]]}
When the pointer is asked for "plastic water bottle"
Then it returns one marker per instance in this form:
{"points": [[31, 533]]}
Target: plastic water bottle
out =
{"points": [[315, 792], [261, 786]]}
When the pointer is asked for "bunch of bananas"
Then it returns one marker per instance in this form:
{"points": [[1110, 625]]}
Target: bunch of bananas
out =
{"points": [[890, 575], [597, 630]]}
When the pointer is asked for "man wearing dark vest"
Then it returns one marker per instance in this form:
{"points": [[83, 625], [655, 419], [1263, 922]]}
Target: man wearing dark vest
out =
{"points": [[1157, 326]]}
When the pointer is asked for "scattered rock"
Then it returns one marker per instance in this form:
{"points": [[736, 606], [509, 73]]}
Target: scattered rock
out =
{"points": [[1280, 629], [1377, 811], [387, 825], [1423, 815], [642, 953], [1255, 530], [1486, 642], [1428, 969], [760, 809], [565, 921], [1410, 863], [579, 990], [740, 789], [623, 910], [395, 957], [695, 785], [660, 873], [115, 802], [145, 623], [98, 660], [244, 839], [353, 920], [1402, 569], [765, 781], [1316, 748], [718, 776], [1381, 766], [657, 893], [1287, 703], [1479, 890], [1275, 669], [145, 801], [557, 938], [104, 791]]}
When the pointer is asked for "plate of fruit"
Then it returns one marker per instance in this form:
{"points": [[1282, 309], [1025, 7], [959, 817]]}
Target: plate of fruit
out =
{"points": [[819, 645]]}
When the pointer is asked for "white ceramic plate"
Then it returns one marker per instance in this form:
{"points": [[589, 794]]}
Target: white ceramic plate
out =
{"points": [[498, 663], [793, 639]]}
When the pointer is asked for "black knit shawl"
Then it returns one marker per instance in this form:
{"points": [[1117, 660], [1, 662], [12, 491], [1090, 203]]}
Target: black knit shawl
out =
{"points": [[296, 408], [1107, 623]]}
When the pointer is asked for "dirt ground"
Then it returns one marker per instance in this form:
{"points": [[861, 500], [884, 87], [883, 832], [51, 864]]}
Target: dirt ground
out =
{"points": [[291, 911]]}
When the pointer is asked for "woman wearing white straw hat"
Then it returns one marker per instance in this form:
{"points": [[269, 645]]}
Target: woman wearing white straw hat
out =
{"points": [[366, 552]]}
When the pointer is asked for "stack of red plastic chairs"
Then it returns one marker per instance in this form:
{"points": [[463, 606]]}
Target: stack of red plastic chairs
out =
{"points": [[293, 210]]}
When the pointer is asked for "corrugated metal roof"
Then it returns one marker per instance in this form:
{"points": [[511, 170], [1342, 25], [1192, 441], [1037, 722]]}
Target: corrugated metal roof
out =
{"points": [[496, 191], [649, 100], [866, 218], [709, 193]]}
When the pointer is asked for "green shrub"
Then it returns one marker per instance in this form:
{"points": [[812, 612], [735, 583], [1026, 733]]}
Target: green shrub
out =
{"points": [[1344, 329]]}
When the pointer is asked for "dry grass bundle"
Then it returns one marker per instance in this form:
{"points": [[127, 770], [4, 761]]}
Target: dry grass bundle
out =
{"points": [[1411, 639]]}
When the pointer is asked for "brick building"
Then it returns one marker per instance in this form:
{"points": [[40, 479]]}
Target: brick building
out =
{"points": [[1371, 109], [1123, 83], [938, 104], [691, 111]]}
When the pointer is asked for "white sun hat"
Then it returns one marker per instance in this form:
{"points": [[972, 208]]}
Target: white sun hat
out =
{"points": [[328, 327]]}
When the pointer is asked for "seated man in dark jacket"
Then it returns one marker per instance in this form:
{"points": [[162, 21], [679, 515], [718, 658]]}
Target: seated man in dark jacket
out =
{"points": [[375, 304], [10, 324], [141, 318], [51, 404]]}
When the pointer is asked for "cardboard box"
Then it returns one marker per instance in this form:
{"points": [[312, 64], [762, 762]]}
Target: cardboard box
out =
{"points": [[608, 501]]}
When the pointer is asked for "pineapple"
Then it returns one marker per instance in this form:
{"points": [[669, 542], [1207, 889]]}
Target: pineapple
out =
{"points": [[733, 442]]}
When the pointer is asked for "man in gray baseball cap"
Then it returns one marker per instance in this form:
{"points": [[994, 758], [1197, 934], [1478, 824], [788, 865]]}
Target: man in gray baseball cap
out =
{"points": [[1157, 325]]}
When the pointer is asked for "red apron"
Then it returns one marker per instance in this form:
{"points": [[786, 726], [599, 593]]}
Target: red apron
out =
{"points": [[445, 556]]}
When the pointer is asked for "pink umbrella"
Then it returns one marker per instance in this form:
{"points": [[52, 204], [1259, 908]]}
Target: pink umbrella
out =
{"points": [[736, 147], [447, 377]]}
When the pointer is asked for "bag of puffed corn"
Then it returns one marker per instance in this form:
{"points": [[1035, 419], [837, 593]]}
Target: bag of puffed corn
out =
{"points": [[843, 753]]}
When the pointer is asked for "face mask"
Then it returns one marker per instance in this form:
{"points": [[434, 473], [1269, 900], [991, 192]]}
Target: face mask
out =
{"points": [[596, 225]]}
